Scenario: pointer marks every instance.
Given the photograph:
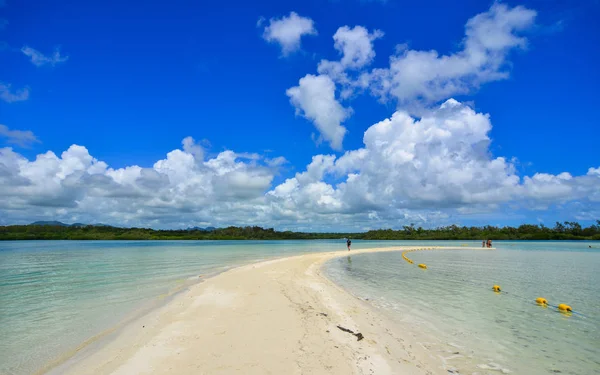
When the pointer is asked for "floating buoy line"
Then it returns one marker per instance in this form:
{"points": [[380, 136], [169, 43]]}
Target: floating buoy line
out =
{"points": [[422, 265], [562, 307], [541, 301]]}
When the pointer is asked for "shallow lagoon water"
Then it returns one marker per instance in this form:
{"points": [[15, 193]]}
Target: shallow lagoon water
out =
{"points": [[477, 331], [55, 295]]}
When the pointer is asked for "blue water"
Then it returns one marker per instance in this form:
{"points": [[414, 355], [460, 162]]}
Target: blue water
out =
{"points": [[451, 310], [55, 295]]}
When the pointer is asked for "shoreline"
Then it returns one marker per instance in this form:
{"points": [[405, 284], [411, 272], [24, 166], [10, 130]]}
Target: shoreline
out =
{"points": [[279, 315], [97, 341]]}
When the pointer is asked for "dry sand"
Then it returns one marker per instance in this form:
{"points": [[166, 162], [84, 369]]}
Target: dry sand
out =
{"points": [[273, 317]]}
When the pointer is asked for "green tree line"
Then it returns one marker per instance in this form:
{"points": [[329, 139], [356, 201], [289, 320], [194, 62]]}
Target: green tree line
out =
{"points": [[561, 231]]}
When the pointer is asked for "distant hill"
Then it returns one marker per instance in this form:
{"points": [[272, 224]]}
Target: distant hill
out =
{"points": [[207, 229], [54, 223], [51, 223], [61, 224]]}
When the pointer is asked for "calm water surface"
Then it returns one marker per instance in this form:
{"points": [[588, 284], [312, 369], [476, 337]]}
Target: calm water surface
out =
{"points": [[451, 309], [54, 295]]}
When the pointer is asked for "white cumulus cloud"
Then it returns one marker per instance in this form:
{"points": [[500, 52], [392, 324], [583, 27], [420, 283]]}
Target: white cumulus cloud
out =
{"points": [[288, 31], [315, 96], [356, 47], [427, 76], [417, 79], [314, 99], [179, 190], [427, 170]]}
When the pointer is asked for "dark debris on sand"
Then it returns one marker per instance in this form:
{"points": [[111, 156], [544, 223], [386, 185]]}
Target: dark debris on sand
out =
{"points": [[359, 336]]}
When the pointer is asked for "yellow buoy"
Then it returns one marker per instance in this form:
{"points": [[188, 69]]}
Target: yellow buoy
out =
{"points": [[541, 301], [496, 288], [563, 307], [423, 266]]}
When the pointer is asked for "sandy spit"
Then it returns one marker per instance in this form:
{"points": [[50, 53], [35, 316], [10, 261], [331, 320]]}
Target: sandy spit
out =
{"points": [[274, 317]]}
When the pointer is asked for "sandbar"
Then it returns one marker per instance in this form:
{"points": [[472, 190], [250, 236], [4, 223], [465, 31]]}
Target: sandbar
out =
{"points": [[279, 316]]}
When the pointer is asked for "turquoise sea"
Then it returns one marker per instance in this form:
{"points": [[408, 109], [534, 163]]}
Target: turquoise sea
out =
{"points": [[57, 295], [451, 310]]}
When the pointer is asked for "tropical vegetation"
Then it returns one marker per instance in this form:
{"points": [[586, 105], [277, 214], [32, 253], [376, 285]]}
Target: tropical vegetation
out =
{"points": [[59, 231]]}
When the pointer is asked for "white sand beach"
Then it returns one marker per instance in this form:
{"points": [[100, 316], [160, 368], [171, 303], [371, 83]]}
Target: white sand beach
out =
{"points": [[274, 317]]}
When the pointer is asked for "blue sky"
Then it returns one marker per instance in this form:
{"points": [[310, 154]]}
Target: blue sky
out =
{"points": [[127, 83]]}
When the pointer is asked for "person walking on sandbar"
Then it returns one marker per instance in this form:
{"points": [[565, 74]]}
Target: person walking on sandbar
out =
{"points": [[348, 243]]}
